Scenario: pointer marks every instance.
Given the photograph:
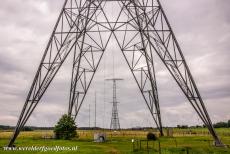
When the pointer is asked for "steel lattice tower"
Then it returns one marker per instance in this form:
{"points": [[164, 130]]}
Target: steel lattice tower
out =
{"points": [[140, 28], [115, 124]]}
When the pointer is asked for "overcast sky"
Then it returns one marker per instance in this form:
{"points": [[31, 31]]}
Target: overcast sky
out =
{"points": [[202, 28]]}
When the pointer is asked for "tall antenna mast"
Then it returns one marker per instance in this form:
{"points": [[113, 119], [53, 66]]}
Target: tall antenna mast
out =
{"points": [[95, 112], [89, 115], [115, 124]]}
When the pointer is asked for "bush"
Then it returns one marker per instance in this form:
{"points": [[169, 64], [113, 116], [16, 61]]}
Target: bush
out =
{"points": [[26, 128], [151, 136], [182, 126], [65, 128], [221, 125]]}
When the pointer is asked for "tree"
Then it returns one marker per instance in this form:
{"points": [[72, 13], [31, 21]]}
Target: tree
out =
{"points": [[65, 128], [26, 128], [182, 126], [221, 125]]}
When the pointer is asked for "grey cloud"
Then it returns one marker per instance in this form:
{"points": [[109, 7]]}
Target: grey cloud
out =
{"points": [[202, 29]]}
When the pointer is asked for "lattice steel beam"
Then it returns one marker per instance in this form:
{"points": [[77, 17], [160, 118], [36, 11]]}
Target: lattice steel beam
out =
{"points": [[140, 28]]}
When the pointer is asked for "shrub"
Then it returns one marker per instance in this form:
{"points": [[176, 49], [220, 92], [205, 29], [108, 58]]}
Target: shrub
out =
{"points": [[151, 136], [65, 128]]}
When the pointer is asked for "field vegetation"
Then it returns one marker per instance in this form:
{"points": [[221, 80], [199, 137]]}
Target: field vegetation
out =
{"points": [[192, 141]]}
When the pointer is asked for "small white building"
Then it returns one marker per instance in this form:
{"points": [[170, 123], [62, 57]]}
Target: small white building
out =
{"points": [[99, 137]]}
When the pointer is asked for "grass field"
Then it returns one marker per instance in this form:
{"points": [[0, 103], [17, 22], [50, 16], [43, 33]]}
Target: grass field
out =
{"points": [[192, 141]]}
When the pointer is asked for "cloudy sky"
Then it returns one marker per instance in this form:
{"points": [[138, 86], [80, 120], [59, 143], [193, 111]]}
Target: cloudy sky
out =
{"points": [[202, 28]]}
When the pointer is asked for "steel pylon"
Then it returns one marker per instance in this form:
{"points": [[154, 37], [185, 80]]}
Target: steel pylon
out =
{"points": [[115, 123], [140, 27]]}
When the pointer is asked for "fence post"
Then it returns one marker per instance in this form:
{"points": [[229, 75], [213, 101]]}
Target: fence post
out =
{"points": [[147, 144], [133, 142], [187, 150], [140, 144], [153, 145], [159, 147], [133, 146]]}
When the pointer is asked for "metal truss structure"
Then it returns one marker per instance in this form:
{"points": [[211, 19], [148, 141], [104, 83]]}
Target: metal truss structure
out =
{"points": [[115, 124], [140, 27]]}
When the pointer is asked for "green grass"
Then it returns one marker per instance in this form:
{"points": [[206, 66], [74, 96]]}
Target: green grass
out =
{"points": [[120, 142]]}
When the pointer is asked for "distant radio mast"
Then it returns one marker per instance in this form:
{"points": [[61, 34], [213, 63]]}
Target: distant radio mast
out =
{"points": [[115, 124], [89, 115], [95, 116]]}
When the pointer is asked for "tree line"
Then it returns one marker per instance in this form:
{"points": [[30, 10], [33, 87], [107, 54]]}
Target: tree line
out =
{"points": [[30, 128], [222, 124], [215, 125]]}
